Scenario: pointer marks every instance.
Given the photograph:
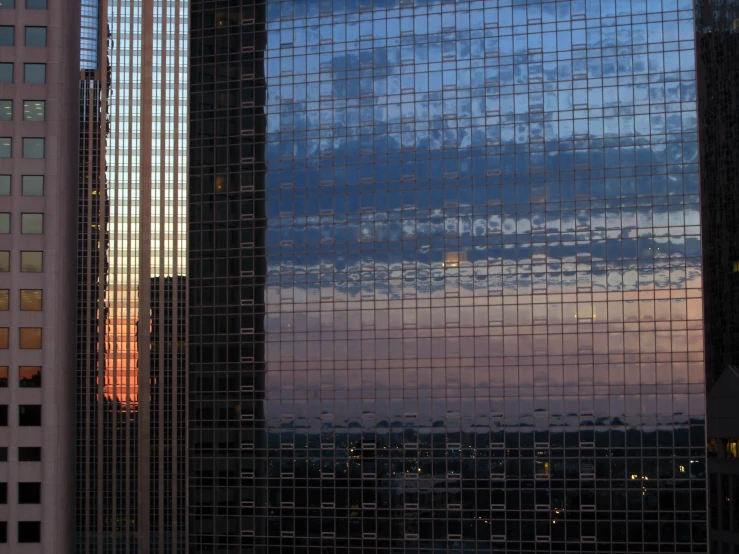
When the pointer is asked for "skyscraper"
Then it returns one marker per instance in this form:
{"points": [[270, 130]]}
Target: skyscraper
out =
{"points": [[39, 58], [130, 365], [445, 277]]}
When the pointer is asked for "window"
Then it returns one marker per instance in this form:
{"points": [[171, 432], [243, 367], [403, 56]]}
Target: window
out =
{"points": [[3, 493], [35, 4], [32, 224], [6, 72], [6, 110], [7, 4], [29, 493], [3, 415], [29, 415], [31, 300], [4, 300], [29, 453], [7, 34], [4, 223], [3, 453], [33, 148], [30, 337], [4, 376], [6, 147], [29, 377], [3, 524], [34, 110], [4, 338], [29, 531], [35, 73], [33, 185], [4, 261], [31, 262], [4, 185], [35, 36]]}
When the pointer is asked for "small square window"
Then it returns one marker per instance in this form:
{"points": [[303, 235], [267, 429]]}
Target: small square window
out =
{"points": [[4, 185], [36, 4], [6, 110], [4, 261], [33, 110], [31, 262], [4, 300], [29, 453], [29, 415], [3, 378], [29, 376], [29, 493], [4, 223], [29, 531], [7, 4], [35, 36], [35, 73], [6, 73], [4, 338], [33, 148], [33, 185], [32, 224], [3, 524], [6, 147], [3, 493], [3, 415], [7, 34], [30, 338], [31, 300], [3, 453]]}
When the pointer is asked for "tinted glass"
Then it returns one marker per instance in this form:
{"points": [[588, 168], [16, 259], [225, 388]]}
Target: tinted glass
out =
{"points": [[36, 4], [4, 260], [29, 415], [4, 300], [35, 73], [32, 262], [29, 531], [33, 147], [3, 378], [4, 223], [4, 185], [29, 454], [6, 110], [6, 148], [7, 4], [7, 33], [33, 185], [32, 224], [6, 72], [35, 36], [34, 110]]}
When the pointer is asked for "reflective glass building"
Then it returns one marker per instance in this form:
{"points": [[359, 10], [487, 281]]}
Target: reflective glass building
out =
{"points": [[445, 277]]}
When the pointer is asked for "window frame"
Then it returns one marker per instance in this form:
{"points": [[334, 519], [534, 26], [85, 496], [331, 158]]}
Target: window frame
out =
{"points": [[23, 223], [46, 36], [28, 144], [30, 65]]}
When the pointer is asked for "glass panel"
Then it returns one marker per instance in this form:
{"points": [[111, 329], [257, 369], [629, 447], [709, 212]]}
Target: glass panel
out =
{"points": [[32, 224], [3, 338], [35, 36], [4, 185], [29, 376], [33, 147], [4, 376], [6, 73], [6, 110], [33, 185], [35, 73], [6, 148], [7, 4], [32, 262], [7, 33], [31, 300], [4, 261], [30, 337], [36, 4], [4, 300], [34, 110], [4, 223]]}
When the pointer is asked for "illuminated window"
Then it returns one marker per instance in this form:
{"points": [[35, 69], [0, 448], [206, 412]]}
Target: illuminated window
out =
{"points": [[32, 262], [6, 147], [453, 259], [736, 267], [4, 300], [6, 110], [30, 338], [31, 300], [29, 376], [33, 110], [732, 448]]}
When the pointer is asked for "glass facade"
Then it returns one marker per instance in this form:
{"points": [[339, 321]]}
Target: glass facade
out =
{"points": [[445, 277]]}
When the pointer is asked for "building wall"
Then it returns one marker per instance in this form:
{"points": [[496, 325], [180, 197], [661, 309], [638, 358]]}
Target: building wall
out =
{"points": [[55, 280], [445, 277]]}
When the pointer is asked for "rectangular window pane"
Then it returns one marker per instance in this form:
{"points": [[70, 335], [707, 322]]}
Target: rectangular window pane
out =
{"points": [[32, 262], [4, 185], [29, 493], [35, 36], [4, 300], [33, 185], [4, 376], [3, 493], [6, 73], [7, 33], [33, 148], [4, 338], [4, 223], [35, 73], [31, 300], [6, 110], [6, 148], [7, 4], [29, 531], [4, 261], [32, 224], [29, 415], [29, 376], [30, 338], [29, 454], [3, 453], [36, 4], [34, 110]]}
